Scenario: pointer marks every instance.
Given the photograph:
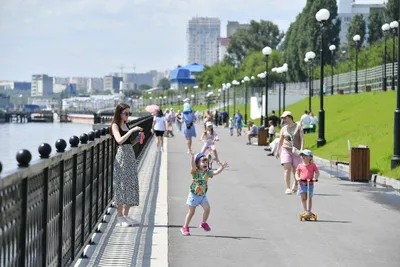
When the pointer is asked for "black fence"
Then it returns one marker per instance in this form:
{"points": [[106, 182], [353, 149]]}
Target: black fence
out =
{"points": [[49, 209]]}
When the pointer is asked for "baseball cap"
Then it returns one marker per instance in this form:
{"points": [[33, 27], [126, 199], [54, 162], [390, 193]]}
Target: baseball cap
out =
{"points": [[187, 107], [286, 113], [209, 123], [306, 152], [198, 157]]}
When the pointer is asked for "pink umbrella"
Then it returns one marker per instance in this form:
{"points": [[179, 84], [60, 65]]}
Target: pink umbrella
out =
{"points": [[152, 108]]}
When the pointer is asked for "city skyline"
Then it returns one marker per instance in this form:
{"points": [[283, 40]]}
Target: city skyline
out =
{"points": [[93, 38]]}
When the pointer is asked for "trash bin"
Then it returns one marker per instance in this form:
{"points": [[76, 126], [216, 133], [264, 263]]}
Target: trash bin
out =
{"points": [[262, 137], [359, 164]]}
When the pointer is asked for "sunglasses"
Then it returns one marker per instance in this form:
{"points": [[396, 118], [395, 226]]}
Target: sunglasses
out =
{"points": [[204, 160], [125, 113]]}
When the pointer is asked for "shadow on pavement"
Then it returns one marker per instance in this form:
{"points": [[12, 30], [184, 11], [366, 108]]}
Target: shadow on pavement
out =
{"points": [[232, 237], [327, 195], [329, 221]]}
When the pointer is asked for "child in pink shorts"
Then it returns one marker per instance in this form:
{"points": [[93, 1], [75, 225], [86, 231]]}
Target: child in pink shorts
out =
{"points": [[307, 170]]}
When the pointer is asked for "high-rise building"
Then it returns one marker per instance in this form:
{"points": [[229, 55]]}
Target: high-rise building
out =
{"points": [[349, 8], [233, 26], [203, 40], [42, 85], [223, 47], [112, 83]]}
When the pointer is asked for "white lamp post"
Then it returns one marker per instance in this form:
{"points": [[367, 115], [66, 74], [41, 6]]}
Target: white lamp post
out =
{"points": [[394, 25]]}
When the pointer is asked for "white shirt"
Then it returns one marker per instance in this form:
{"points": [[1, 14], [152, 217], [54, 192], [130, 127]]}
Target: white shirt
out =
{"points": [[313, 120], [271, 129], [305, 120], [160, 123]]}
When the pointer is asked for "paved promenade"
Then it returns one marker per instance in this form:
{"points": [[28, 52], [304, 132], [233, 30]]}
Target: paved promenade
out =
{"points": [[253, 222]]}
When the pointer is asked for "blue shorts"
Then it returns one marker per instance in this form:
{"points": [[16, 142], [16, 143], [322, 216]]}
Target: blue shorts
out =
{"points": [[239, 125], [303, 189], [195, 200]]}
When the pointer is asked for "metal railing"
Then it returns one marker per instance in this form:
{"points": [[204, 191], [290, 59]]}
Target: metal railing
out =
{"points": [[49, 209]]}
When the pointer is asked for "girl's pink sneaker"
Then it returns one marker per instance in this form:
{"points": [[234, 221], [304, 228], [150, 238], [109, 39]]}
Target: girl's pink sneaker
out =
{"points": [[185, 230], [205, 226]]}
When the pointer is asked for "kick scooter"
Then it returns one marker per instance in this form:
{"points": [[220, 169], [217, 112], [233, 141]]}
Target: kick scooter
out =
{"points": [[308, 217]]}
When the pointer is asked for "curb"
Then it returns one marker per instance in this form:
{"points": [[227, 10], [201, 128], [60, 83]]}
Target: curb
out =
{"points": [[375, 178]]}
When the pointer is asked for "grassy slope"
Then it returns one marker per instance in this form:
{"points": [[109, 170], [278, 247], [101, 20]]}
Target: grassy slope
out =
{"points": [[366, 118]]}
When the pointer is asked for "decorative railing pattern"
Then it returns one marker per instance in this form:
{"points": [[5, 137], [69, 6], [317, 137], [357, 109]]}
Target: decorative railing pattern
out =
{"points": [[49, 209]]}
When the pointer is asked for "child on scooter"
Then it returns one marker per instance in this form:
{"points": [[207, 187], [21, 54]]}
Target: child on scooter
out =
{"points": [[307, 170], [198, 190], [209, 137]]}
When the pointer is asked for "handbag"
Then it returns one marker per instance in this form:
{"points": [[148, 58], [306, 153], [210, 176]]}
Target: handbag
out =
{"points": [[295, 150]]}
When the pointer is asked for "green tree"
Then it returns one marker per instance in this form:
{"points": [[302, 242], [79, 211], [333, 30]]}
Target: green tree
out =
{"points": [[356, 26], [303, 35], [144, 87], [375, 21], [392, 11], [164, 83], [254, 38]]}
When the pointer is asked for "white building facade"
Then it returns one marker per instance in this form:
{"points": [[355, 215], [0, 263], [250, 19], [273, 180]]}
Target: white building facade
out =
{"points": [[203, 36], [42, 85], [349, 8]]}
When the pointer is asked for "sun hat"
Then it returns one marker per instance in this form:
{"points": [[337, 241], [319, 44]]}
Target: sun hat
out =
{"points": [[306, 152], [186, 107], [198, 157], [286, 113], [209, 123]]}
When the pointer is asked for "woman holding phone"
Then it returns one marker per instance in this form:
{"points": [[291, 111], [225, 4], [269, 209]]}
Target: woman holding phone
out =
{"points": [[125, 175]]}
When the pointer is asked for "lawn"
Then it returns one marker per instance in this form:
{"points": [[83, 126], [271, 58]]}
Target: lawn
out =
{"points": [[365, 118]]}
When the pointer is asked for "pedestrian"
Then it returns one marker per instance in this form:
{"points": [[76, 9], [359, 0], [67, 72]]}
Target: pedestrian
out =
{"points": [[209, 137], [198, 190], [271, 131], [291, 141], [231, 125], [305, 122], [125, 174], [314, 121], [306, 171], [189, 129], [238, 122], [253, 130], [159, 127], [275, 120], [179, 120]]}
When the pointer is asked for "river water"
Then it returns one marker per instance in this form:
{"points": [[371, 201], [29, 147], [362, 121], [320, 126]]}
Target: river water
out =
{"points": [[16, 136]]}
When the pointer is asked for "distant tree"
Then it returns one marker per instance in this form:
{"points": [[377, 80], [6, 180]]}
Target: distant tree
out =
{"points": [[254, 38], [144, 87], [304, 35], [357, 25], [164, 83], [391, 11], [375, 21]]}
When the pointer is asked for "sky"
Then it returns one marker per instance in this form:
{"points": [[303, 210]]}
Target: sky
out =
{"points": [[92, 38]]}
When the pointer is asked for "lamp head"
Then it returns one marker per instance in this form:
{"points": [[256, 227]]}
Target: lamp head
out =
{"points": [[332, 47], [246, 79], [394, 24], [322, 15], [385, 27], [267, 51], [356, 38]]}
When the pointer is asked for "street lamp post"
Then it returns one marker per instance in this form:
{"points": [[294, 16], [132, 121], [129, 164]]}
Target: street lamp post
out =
{"points": [[322, 16], [266, 51], [234, 82], [223, 95], [196, 87], [393, 25], [356, 39], [385, 29], [396, 144], [332, 48], [228, 86], [246, 80], [279, 91], [310, 57]]}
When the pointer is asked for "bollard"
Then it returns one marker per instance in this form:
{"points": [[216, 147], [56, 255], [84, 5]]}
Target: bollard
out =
{"points": [[74, 141], [84, 138], [61, 145], [44, 150], [23, 157], [91, 135]]}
